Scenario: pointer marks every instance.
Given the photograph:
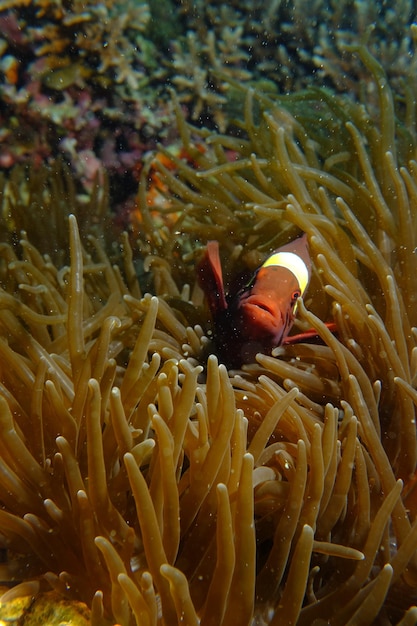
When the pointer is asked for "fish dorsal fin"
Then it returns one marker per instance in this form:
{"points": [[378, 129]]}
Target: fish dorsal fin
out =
{"points": [[210, 278]]}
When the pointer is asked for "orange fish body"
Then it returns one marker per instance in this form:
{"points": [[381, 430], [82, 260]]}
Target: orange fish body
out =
{"points": [[260, 315]]}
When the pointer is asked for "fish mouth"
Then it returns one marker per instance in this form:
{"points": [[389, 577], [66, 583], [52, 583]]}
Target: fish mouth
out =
{"points": [[261, 321], [253, 304], [259, 313]]}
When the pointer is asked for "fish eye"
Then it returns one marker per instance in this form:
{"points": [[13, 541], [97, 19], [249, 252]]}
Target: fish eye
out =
{"points": [[294, 296]]}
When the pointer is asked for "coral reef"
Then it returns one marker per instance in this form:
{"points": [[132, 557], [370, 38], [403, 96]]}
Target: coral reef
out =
{"points": [[90, 82], [141, 476], [286, 46], [77, 82]]}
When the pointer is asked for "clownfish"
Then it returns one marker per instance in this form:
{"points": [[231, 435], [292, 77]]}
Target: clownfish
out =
{"points": [[258, 316]]}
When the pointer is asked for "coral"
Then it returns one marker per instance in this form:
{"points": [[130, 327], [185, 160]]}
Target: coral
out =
{"points": [[77, 82], [90, 82], [140, 475], [287, 46], [195, 72], [48, 608], [76, 41]]}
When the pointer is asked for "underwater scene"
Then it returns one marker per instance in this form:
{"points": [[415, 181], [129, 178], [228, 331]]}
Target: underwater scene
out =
{"points": [[208, 312]]}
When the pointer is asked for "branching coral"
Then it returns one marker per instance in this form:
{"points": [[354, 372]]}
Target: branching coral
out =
{"points": [[290, 43], [195, 71], [145, 478]]}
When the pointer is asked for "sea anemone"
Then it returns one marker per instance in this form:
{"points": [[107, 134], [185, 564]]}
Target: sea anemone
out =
{"points": [[140, 475]]}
